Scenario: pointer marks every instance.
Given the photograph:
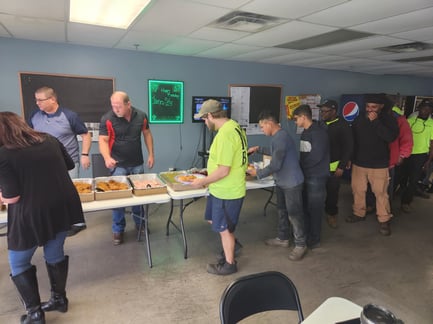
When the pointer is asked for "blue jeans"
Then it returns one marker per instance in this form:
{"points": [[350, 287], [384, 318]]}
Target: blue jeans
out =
{"points": [[289, 205], [314, 195], [118, 215], [19, 261]]}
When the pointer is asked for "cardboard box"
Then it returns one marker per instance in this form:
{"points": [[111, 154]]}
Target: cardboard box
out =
{"points": [[113, 194], [86, 197], [159, 188]]}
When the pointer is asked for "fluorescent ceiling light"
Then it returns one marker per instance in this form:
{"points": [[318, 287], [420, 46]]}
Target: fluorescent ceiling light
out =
{"points": [[109, 13]]}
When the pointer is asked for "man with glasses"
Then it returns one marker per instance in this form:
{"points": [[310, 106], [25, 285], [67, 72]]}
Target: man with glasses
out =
{"points": [[341, 149], [65, 125], [226, 167]]}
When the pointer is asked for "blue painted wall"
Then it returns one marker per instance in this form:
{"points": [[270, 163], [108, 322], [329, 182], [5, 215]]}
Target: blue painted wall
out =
{"points": [[177, 145]]}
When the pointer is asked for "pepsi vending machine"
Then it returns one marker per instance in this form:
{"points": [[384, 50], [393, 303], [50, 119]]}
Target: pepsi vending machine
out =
{"points": [[351, 105]]}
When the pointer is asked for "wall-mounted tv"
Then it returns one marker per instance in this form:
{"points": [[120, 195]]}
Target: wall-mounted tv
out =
{"points": [[197, 101]]}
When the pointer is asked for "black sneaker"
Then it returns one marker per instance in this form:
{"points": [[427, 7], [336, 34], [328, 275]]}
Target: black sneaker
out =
{"points": [[354, 219], [222, 269], [221, 258], [75, 229]]}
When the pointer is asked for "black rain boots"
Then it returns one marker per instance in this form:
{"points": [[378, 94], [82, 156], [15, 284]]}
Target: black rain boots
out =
{"points": [[27, 286], [57, 273]]}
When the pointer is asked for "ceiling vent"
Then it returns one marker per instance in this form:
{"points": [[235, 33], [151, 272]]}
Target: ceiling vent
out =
{"points": [[406, 48], [246, 22], [416, 59]]}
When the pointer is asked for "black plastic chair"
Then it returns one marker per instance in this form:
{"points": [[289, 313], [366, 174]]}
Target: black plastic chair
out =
{"points": [[258, 293]]}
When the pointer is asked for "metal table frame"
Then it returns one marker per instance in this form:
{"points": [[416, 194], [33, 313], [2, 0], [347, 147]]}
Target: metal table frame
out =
{"points": [[194, 195]]}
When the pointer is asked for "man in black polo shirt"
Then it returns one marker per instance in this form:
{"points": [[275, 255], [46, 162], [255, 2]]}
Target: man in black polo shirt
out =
{"points": [[120, 145]]}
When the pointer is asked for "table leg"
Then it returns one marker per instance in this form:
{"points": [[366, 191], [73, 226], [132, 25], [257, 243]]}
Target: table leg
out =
{"points": [[167, 229], [269, 201], [145, 219], [181, 229]]}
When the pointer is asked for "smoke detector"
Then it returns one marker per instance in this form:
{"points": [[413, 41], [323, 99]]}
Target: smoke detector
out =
{"points": [[246, 22]]}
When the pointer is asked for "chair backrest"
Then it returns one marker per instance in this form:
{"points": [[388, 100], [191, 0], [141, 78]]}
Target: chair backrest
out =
{"points": [[258, 293], [98, 166]]}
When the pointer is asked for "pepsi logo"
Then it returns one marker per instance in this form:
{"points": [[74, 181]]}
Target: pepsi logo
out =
{"points": [[350, 111]]}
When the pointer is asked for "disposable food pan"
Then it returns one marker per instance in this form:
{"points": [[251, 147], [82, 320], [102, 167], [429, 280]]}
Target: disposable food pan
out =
{"points": [[102, 192], [147, 184], [86, 196]]}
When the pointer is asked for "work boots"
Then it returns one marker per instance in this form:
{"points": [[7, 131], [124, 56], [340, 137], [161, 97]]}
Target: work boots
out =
{"points": [[27, 286], [57, 273]]}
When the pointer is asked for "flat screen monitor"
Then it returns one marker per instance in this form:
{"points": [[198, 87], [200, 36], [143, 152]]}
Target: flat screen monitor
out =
{"points": [[197, 101]]}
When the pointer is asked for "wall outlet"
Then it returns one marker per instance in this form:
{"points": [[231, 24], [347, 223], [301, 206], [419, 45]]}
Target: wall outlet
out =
{"points": [[171, 169]]}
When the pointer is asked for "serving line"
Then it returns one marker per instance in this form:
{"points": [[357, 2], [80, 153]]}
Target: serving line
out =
{"points": [[196, 194], [99, 205]]}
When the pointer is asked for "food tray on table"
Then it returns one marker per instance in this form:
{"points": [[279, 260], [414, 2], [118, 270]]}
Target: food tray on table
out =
{"points": [[85, 189], [147, 184], [180, 180], [112, 187]]}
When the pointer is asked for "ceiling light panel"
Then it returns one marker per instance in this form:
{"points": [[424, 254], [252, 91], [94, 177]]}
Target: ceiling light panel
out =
{"points": [[359, 45], [178, 17], [109, 13]]}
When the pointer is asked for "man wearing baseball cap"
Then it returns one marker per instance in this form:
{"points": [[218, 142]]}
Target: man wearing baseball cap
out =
{"points": [[226, 167], [372, 133], [340, 149]]}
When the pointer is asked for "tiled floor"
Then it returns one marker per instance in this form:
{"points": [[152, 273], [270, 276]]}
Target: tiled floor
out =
{"points": [[113, 284]]}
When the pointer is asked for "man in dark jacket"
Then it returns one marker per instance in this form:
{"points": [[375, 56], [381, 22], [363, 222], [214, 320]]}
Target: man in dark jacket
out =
{"points": [[314, 160], [341, 149], [372, 133]]}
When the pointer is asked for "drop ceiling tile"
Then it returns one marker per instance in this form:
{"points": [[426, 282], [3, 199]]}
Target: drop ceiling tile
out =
{"points": [[320, 59], [227, 51], [357, 12], [187, 46], [422, 34], [93, 35], [3, 32], [34, 28], [232, 4], [401, 23], [47, 9], [146, 41], [289, 9], [177, 17], [216, 34], [291, 31]]}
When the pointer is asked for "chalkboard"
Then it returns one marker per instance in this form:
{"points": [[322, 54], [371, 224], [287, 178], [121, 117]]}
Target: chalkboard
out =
{"points": [[165, 102], [89, 97], [249, 100]]}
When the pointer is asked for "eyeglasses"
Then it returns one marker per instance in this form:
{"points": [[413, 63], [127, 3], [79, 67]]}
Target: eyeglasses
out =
{"points": [[325, 111], [40, 100]]}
